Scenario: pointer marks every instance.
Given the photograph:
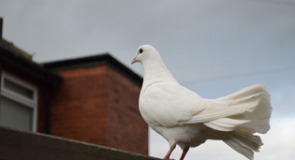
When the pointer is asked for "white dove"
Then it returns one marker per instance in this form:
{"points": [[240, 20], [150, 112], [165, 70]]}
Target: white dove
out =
{"points": [[184, 118]]}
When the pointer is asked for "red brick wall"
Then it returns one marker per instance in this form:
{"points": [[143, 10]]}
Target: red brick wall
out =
{"points": [[99, 105], [126, 129], [78, 109]]}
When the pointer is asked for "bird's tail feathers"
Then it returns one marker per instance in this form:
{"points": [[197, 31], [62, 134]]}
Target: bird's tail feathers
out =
{"points": [[242, 142], [253, 104]]}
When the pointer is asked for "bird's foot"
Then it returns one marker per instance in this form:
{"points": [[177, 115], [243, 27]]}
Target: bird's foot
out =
{"points": [[167, 158]]}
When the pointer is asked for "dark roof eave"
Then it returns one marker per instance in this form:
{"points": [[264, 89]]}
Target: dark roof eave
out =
{"points": [[29, 67], [95, 60]]}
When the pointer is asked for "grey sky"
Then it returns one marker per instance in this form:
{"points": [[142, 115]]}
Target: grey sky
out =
{"points": [[214, 47]]}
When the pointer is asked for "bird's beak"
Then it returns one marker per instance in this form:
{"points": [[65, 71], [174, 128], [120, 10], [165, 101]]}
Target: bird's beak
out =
{"points": [[134, 60]]}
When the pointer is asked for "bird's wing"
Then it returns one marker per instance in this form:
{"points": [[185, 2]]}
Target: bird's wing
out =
{"points": [[170, 104]]}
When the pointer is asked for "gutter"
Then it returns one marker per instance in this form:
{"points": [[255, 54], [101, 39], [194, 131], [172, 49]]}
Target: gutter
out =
{"points": [[48, 105]]}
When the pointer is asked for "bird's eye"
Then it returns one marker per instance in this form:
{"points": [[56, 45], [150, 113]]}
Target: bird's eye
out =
{"points": [[140, 50]]}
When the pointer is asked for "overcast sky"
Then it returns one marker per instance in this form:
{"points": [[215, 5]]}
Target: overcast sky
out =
{"points": [[213, 47]]}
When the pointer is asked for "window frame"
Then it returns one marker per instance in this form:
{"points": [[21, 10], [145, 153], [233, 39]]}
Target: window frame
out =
{"points": [[31, 103]]}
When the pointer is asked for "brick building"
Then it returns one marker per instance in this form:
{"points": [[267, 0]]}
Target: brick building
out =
{"points": [[91, 99]]}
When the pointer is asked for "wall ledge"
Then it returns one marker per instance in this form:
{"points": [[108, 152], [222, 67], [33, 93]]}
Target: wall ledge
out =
{"points": [[16, 144]]}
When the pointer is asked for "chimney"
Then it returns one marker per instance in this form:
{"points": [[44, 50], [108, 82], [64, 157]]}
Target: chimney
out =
{"points": [[1, 27]]}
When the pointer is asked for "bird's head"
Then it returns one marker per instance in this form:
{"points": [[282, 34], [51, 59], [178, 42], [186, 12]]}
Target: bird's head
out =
{"points": [[144, 53]]}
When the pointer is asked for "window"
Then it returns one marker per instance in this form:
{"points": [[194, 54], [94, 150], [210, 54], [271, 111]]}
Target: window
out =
{"points": [[18, 108]]}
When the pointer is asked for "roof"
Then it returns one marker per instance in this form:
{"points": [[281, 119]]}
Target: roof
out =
{"points": [[105, 58], [14, 57], [16, 50]]}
